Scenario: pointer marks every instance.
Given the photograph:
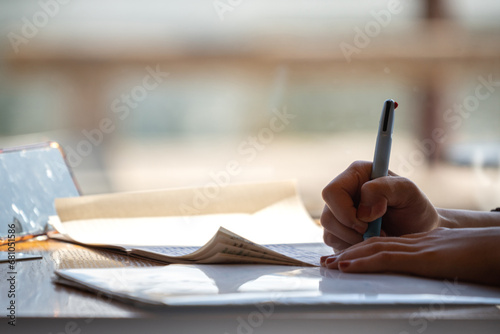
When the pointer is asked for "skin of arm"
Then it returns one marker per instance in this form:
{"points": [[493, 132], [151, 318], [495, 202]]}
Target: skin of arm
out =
{"points": [[466, 218], [416, 238]]}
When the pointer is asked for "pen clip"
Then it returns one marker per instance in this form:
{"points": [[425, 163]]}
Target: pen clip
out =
{"points": [[387, 118]]}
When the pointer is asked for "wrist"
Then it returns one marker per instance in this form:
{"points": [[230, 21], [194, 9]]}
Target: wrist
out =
{"points": [[467, 218], [446, 219]]}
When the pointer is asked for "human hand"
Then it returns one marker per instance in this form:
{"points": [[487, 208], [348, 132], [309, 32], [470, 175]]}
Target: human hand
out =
{"points": [[466, 254], [353, 200]]}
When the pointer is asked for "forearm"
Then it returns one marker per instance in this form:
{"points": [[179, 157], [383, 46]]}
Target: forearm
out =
{"points": [[467, 218]]}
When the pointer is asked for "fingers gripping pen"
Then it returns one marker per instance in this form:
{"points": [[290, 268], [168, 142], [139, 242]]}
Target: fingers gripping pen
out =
{"points": [[380, 165]]}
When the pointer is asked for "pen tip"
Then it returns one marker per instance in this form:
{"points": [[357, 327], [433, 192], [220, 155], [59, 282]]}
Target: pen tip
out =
{"points": [[395, 104]]}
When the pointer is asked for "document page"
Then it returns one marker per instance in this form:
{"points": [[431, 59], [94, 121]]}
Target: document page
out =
{"points": [[270, 221], [202, 285], [227, 247]]}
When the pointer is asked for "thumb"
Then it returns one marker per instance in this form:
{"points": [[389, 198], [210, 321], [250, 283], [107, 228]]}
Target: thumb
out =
{"points": [[378, 194]]}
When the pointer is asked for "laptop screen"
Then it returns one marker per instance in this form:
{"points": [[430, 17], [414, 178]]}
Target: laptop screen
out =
{"points": [[31, 178]]}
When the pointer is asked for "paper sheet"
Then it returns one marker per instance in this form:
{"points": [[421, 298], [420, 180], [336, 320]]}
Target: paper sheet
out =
{"points": [[227, 247], [265, 214], [211, 199], [246, 285]]}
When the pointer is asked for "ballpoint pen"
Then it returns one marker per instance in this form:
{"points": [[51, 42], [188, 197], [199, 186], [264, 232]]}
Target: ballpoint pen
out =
{"points": [[381, 157]]}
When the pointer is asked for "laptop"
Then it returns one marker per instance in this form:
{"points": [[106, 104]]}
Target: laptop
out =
{"points": [[31, 178]]}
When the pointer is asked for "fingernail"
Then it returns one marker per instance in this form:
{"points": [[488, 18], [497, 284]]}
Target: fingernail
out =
{"points": [[324, 257], [344, 265], [331, 259]]}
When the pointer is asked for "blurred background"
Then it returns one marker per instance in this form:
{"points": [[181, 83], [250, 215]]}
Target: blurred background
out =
{"points": [[154, 94]]}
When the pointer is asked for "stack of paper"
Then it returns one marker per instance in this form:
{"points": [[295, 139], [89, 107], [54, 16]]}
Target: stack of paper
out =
{"points": [[252, 223], [202, 285]]}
